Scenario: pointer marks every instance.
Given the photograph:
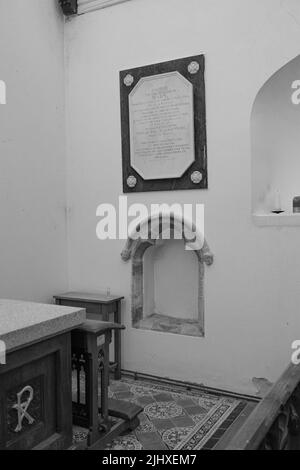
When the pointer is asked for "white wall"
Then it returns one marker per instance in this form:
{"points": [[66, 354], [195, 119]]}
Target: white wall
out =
{"points": [[252, 290], [32, 151], [171, 280], [275, 126]]}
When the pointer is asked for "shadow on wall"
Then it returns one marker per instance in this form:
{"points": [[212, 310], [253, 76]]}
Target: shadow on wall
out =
{"points": [[275, 140]]}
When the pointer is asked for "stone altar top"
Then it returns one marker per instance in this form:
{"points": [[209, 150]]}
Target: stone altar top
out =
{"points": [[23, 323]]}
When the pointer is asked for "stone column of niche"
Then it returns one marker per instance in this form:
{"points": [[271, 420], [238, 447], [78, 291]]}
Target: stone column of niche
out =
{"points": [[137, 282]]}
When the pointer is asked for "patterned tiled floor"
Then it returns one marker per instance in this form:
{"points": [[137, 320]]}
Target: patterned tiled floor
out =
{"points": [[171, 415]]}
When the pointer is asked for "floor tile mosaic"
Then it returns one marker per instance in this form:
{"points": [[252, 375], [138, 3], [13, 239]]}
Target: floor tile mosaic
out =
{"points": [[173, 418]]}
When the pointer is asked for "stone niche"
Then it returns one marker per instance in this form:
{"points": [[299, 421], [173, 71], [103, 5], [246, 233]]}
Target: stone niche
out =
{"points": [[168, 278]]}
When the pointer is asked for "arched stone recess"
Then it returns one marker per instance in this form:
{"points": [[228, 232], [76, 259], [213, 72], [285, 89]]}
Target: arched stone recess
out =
{"points": [[275, 142], [163, 232]]}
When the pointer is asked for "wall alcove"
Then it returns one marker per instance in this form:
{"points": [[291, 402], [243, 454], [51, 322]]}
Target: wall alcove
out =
{"points": [[275, 146], [168, 276]]}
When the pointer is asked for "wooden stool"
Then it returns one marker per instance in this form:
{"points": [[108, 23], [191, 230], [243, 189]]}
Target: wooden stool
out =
{"points": [[90, 353]]}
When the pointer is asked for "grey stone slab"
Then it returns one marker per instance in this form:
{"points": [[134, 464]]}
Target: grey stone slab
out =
{"points": [[23, 323], [87, 297]]}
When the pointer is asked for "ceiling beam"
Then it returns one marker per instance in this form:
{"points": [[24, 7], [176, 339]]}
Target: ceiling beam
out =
{"points": [[86, 6]]}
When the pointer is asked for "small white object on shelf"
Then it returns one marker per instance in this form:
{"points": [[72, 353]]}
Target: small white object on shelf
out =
{"points": [[277, 203]]}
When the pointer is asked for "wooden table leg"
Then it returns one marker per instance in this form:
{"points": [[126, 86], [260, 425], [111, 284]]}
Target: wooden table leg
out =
{"points": [[92, 400], [105, 378], [117, 342], [104, 313]]}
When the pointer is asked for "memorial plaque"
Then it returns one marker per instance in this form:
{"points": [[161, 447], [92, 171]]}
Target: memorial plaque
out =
{"points": [[161, 114], [163, 126]]}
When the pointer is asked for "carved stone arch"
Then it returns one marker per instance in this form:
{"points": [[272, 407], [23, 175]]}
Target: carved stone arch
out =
{"points": [[135, 249]]}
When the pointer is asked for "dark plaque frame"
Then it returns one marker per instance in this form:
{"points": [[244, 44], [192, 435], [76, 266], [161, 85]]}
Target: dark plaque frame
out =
{"points": [[197, 79]]}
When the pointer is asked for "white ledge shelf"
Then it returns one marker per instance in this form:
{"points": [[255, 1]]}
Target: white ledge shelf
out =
{"points": [[286, 219]]}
